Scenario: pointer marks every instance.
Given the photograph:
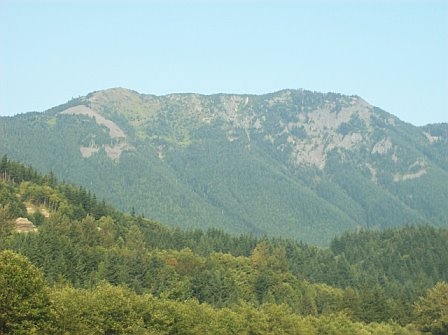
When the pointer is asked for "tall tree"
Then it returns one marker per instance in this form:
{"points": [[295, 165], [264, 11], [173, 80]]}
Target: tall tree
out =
{"points": [[24, 302]]}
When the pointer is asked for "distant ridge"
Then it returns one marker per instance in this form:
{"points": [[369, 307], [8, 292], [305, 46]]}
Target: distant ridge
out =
{"points": [[292, 163]]}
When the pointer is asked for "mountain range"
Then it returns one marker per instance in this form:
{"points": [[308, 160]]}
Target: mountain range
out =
{"points": [[292, 163]]}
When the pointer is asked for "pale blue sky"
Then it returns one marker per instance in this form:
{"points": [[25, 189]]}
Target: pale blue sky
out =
{"points": [[393, 54]]}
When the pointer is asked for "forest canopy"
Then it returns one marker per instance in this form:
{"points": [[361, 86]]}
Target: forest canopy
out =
{"points": [[91, 269]]}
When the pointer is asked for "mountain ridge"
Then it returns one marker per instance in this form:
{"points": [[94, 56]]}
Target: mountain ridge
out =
{"points": [[290, 163]]}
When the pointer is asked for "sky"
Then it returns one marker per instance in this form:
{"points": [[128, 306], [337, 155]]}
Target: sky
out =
{"points": [[394, 54]]}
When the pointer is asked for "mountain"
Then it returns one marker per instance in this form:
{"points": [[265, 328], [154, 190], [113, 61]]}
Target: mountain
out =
{"points": [[293, 163]]}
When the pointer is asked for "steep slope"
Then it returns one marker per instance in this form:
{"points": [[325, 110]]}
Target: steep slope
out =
{"points": [[292, 163]]}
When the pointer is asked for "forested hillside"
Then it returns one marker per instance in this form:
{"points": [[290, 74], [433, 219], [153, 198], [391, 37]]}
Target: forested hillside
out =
{"points": [[293, 163], [91, 269]]}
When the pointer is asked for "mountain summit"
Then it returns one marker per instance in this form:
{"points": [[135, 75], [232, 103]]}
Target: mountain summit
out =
{"points": [[293, 163]]}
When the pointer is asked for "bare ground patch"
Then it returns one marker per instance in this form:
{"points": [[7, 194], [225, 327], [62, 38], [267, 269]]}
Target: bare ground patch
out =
{"points": [[114, 130]]}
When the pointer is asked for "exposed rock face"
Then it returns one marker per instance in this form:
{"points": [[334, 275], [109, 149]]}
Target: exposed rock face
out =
{"points": [[288, 163], [335, 123], [116, 134], [86, 152], [431, 138], [415, 170], [114, 130], [23, 225], [382, 147]]}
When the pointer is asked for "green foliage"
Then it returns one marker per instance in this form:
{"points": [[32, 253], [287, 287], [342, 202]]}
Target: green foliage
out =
{"points": [[6, 222], [107, 309], [123, 274], [432, 310], [103, 310], [117, 310], [399, 255], [24, 302], [229, 161], [12, 206]]}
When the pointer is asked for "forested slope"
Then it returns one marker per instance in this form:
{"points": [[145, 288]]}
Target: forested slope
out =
{"points": [[293, 163], [92, 269]]}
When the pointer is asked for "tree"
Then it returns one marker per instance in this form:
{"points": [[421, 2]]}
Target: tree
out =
{"points": [[24, 303], [3, 166], [260, 255], [135, 240], [104, 309], [6, 222], [374, 306], [432, 310]]}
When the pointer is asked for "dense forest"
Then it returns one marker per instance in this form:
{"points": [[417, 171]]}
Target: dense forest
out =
{"points": [[91, 269], [294, 163]]}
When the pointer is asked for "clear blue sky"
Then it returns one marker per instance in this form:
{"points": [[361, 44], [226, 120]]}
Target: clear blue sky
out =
{"points": [[393, 54]]}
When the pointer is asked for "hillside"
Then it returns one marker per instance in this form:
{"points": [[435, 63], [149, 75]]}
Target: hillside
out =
{"points": [[91, 269], [293, 163]]}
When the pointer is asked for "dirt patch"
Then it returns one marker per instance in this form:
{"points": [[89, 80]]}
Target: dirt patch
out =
{"points": [[373, 172], [431, 138], [23, 225], [114, 130], [45, 212], [86, 152], [31, 209], [114, 152], [420, 163], [408, 176]]}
